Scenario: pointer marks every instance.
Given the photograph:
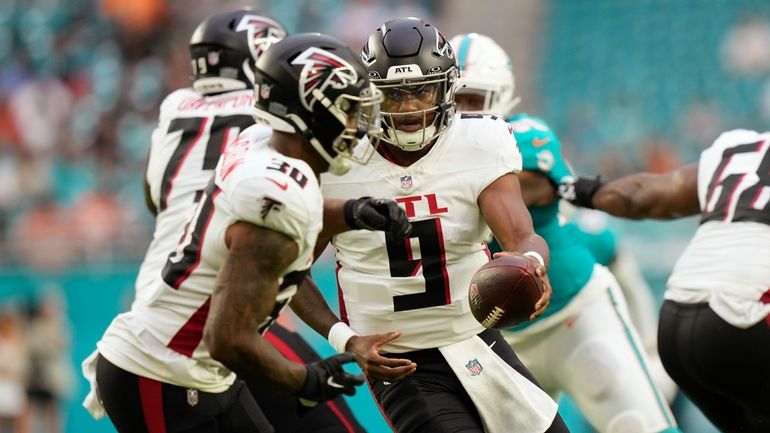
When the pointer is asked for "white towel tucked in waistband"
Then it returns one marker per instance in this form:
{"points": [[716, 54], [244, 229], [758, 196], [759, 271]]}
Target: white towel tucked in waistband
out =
{"points": [[506, 400], [92, 402]]}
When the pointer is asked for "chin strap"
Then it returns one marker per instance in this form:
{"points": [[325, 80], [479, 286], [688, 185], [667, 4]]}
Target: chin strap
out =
{"points": [[337, 165], [411, 141]]}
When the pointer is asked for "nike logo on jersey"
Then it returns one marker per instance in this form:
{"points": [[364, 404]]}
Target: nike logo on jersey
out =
{"points": [[537, 142], [283, 185]]}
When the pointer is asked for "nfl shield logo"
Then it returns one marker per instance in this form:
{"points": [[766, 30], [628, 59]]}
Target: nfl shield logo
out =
{"points": [[264, 91], [406, 182], [474, 296], [192, 397], [474, 367], [213, 58]]}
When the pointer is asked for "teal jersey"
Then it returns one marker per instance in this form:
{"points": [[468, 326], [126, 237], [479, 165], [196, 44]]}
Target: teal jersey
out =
{"points": [[571, 262], [595, 233]]}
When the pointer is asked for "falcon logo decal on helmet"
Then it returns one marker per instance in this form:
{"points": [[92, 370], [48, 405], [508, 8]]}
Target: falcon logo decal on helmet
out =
{"points": [[322, 69], [442, 46], [262, 32]]}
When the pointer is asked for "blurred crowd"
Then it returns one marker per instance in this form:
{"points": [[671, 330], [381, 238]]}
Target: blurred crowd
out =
{"points": [[35, 376], [632, 86], [80, 85]]}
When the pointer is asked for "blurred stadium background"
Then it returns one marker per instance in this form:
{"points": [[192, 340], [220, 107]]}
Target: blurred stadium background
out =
{"points": [[627, 84]]}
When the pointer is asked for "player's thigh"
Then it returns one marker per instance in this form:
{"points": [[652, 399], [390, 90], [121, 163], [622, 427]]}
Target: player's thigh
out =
{"points": [[605, 370], [723, 369], [496, 341], [737, 358], [285, 411], [531, 351], [241, 412], [119, 392], [137, 404], [431, 400]]}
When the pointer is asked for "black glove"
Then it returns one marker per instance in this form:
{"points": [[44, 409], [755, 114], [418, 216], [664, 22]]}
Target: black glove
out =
{"points": [[368, 213], [580, 191], [326, 379]]}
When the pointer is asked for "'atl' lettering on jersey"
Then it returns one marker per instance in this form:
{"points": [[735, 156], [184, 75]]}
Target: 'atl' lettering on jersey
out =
{"points": [[433, 206]]}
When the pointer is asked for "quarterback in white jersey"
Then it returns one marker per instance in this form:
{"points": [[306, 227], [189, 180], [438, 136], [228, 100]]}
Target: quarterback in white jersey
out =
{"points": [[434, 266], [455, 178], [238, 261], [714, 326]]}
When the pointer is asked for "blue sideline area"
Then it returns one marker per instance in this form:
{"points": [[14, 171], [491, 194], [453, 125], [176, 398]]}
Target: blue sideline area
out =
{"points": [[95, 296]]}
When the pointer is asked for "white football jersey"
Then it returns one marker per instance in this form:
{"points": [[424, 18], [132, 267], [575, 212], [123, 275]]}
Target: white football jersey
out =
{"points": [[420, 286], [191, 134], [727, 263], [162, 339]]}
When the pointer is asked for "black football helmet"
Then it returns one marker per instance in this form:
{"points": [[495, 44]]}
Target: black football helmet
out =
{"points": [[225, 47], [313, 85], [408, 58]]}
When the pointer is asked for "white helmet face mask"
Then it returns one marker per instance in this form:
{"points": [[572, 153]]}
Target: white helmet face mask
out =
{"points": [[485, 70], [312, 85], [361, 117], [359, 114]]}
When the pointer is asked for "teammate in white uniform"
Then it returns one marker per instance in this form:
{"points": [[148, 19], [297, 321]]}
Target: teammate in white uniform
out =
{"points": [[587, 326], [714, 330], [169, 364], [196, 124], [455, 183]]}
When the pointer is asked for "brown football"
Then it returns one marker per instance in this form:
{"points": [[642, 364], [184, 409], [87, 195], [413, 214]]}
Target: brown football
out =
{"points": [[504, 291]]}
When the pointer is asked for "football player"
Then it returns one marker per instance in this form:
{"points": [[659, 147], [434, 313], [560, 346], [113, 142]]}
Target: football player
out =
{"points": [[593, 229], [713, 333], [169, 364], [455, 177], [196, 125], [587, 328]]}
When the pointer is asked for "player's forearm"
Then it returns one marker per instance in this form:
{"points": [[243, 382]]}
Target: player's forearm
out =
{"points": [[241, 305], [334, 218], [530, 242], [233, 338], [255, 359], [631, 197], [310, 306]]}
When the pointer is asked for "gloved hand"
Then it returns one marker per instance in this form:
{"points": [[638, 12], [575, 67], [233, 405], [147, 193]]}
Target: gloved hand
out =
{"points": [[580, 191], [368, 213], [326, 379]]}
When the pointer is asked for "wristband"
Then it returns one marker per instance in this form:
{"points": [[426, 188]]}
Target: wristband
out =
{"points": [[339, 334], [537, 256]]}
